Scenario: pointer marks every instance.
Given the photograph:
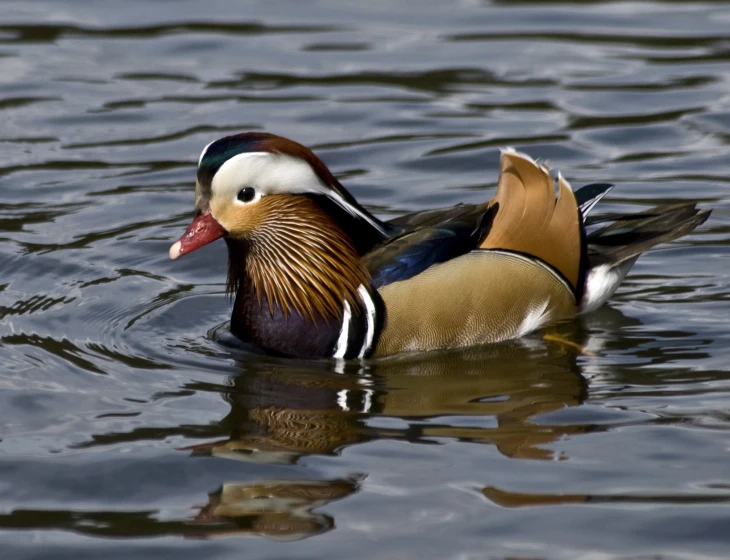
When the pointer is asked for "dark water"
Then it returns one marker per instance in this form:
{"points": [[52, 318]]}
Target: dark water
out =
{"points": [[132, 425]]}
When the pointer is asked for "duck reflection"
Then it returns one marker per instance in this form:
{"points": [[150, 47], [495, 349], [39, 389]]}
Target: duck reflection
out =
{"points": [[492, 395], [278, 509], [278, 415], [497, 392], [509, 499]]}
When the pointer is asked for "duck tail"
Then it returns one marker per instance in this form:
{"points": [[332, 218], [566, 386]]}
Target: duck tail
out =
{"points": [[614, 248]]}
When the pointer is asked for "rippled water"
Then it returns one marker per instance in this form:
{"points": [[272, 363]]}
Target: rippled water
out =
{"points": [[134, 427]]}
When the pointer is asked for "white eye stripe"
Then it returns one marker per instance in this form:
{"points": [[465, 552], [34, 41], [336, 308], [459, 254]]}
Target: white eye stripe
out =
{"points": [[267, 173], [270, 173]]}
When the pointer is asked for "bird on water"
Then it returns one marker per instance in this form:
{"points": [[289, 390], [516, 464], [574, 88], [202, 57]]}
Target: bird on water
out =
{"points": [[315, 275]]}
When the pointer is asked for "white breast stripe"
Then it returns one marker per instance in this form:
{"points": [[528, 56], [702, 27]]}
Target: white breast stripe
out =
{"points": [[341, 347], [370, 311]]}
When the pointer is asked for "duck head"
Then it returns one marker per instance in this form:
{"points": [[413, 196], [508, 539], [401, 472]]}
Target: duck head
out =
{"points": [[294, 234]]}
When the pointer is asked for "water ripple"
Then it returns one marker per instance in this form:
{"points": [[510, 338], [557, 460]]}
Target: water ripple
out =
{"points": [[133, 419]]}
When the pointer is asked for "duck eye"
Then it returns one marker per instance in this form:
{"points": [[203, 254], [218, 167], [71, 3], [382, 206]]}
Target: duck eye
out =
{"points": [[246, 194]]}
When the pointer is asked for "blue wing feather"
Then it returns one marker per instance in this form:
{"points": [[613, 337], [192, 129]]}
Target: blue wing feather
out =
{"points": [[429, 238]]}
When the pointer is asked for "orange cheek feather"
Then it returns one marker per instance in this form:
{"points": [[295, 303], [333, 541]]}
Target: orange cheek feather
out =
{"points": [[241, 220]]}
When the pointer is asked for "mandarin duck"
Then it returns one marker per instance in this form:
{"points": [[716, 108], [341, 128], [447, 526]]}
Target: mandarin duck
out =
{"points": [[315, 275]]}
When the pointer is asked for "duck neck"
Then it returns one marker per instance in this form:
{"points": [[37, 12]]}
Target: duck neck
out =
{"points": [[297, 278]]}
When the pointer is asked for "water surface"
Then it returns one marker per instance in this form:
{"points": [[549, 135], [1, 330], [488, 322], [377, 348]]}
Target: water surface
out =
{"points": [[133, 426]]}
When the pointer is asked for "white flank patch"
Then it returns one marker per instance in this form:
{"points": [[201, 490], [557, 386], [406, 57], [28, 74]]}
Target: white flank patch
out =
{"points": [[602, 282], [370, 311], [534, 319], [341, 347], [270, 173]]}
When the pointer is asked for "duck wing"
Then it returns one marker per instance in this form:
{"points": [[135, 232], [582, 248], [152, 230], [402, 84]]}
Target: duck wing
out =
{"points": [[428, 238], [524, 217], [474, 274]]}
